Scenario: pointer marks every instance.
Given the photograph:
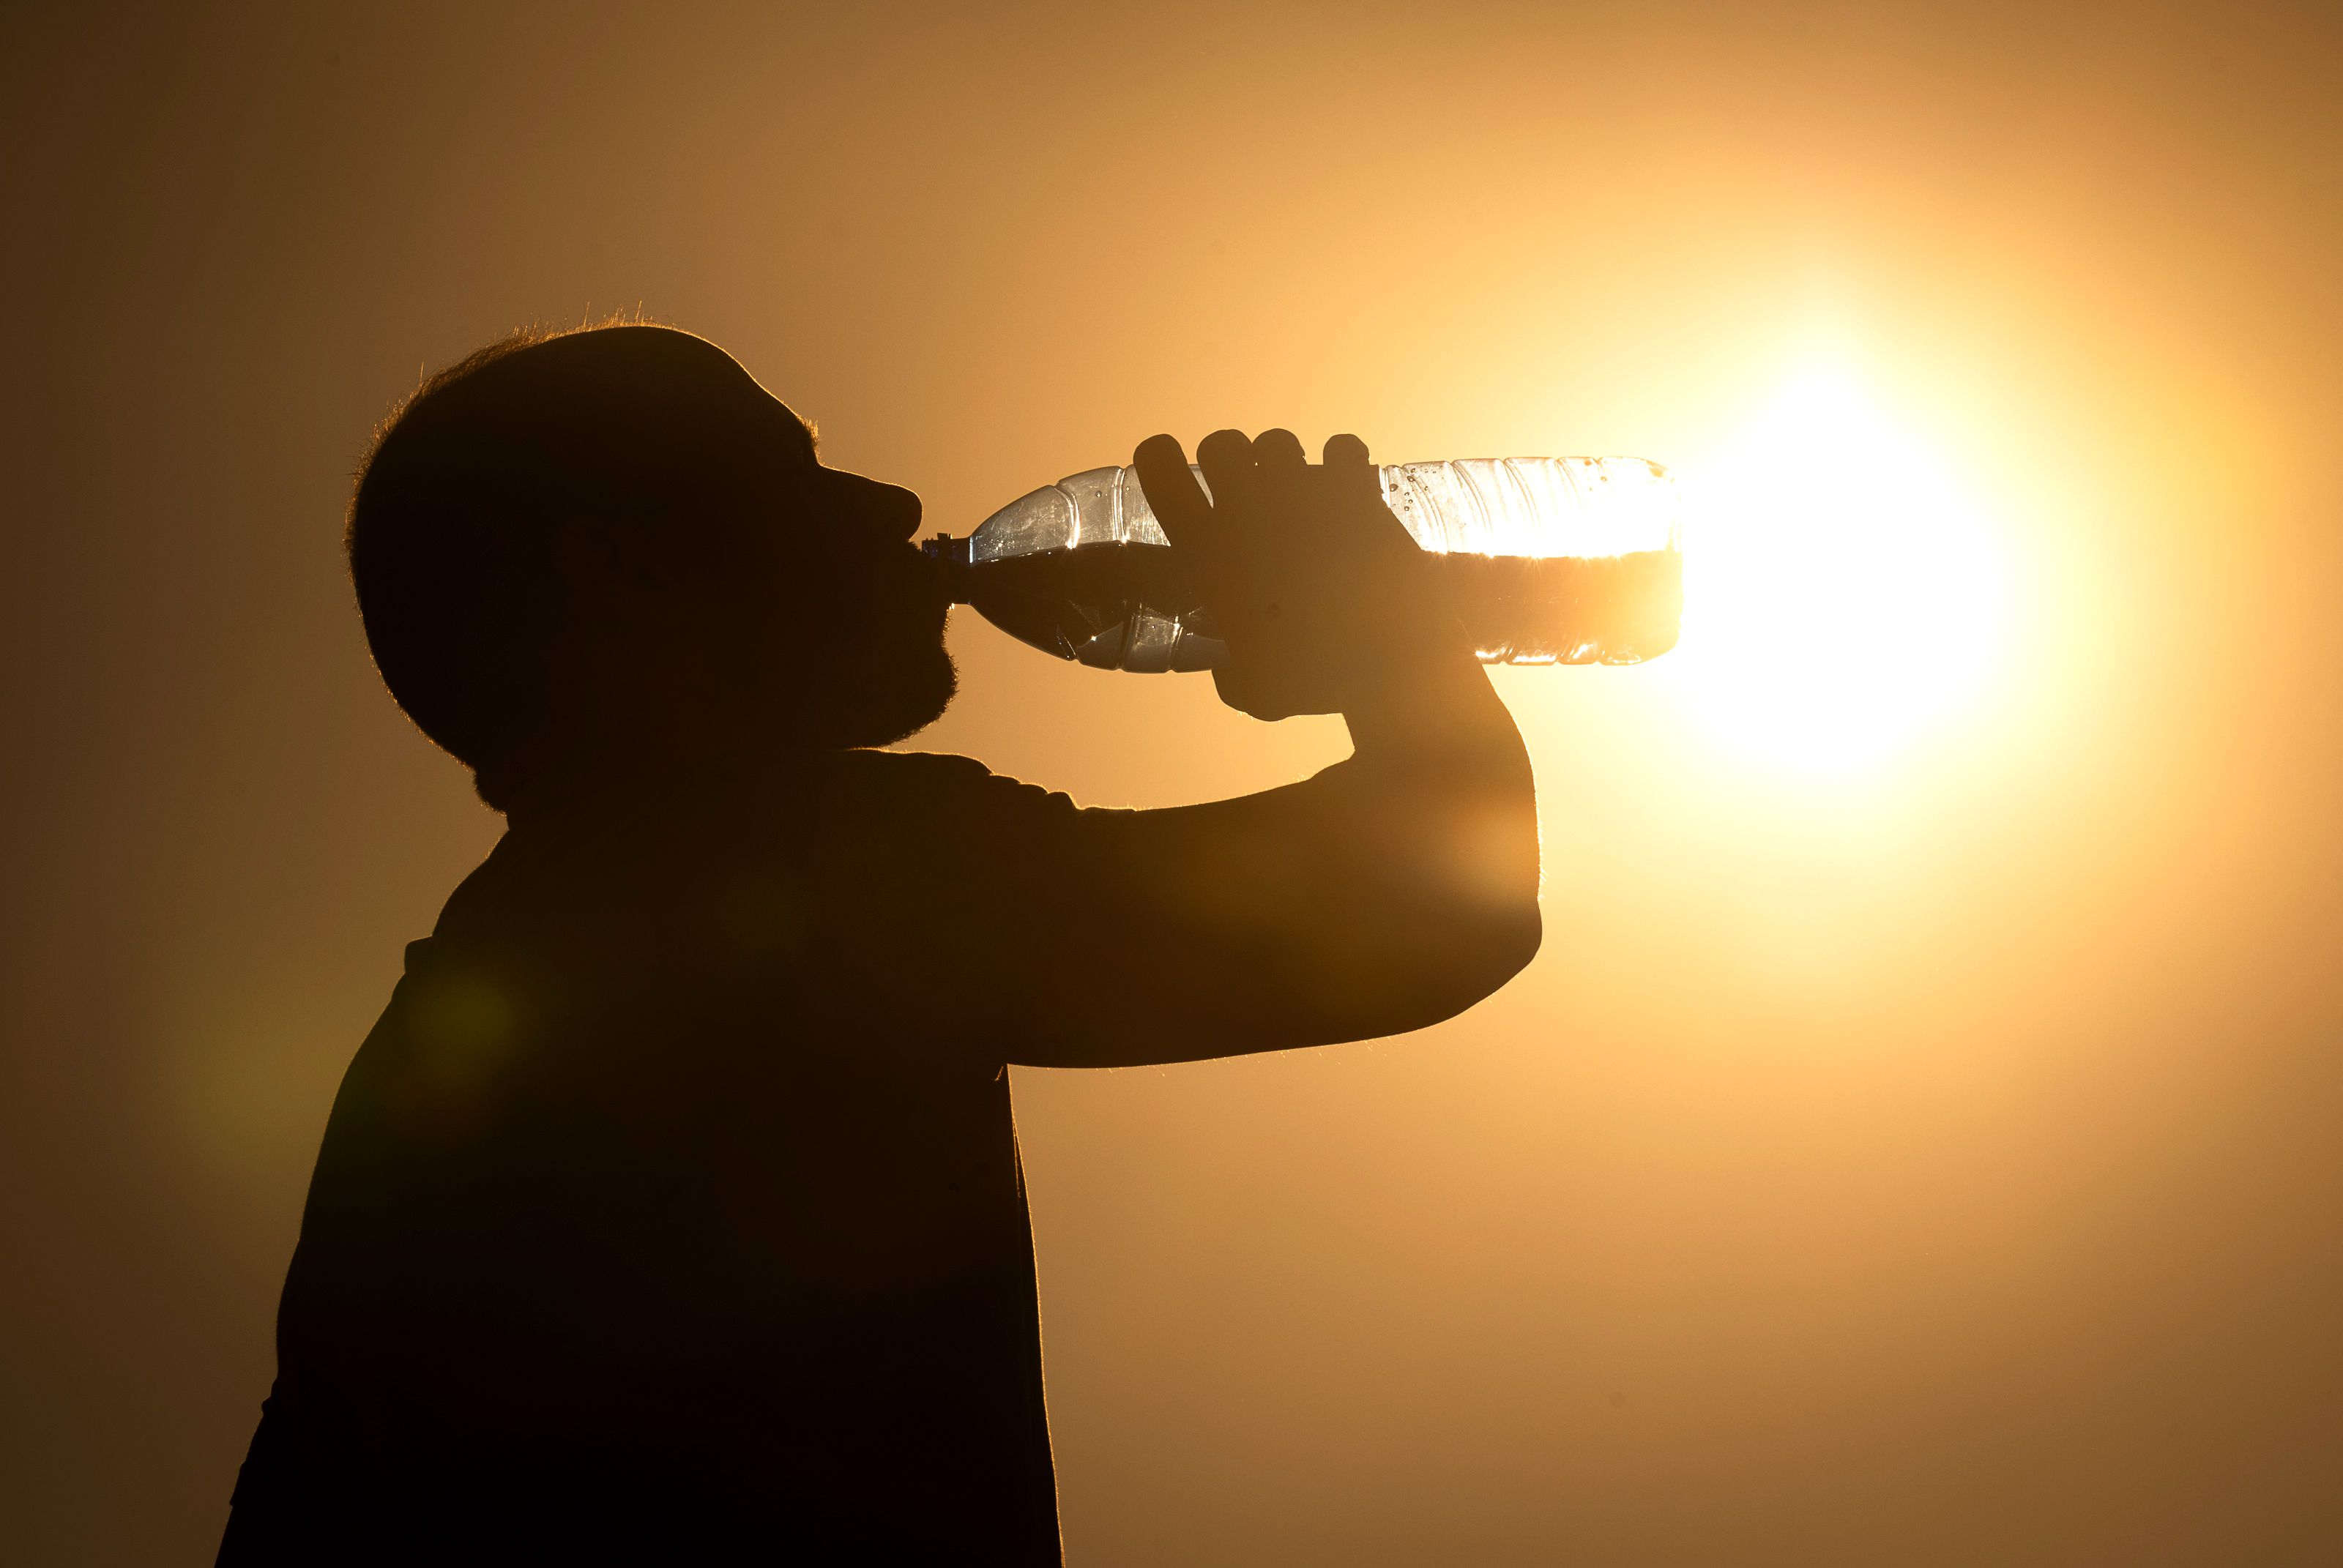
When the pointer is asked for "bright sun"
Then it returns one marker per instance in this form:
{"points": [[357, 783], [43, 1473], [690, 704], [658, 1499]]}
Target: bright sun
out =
{"points": [[1840, 593]]}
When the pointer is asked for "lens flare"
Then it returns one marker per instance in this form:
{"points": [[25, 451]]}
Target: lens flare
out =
{"points": [[1842, 596]]}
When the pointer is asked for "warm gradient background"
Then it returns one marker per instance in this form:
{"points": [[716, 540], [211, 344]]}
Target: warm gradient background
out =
{"points": [[1914, 1151]]}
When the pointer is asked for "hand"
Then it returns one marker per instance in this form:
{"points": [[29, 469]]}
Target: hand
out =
{"points": [[1311, 582]]}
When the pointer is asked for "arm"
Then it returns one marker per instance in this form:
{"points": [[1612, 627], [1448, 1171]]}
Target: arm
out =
{"points": [[1391, 891]]}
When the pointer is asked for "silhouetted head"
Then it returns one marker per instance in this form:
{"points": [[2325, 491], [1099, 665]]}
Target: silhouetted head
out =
{"points": [[611, 551]]}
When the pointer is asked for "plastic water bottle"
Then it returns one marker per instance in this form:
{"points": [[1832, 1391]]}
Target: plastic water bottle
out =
{"points": [[1552, 560]]}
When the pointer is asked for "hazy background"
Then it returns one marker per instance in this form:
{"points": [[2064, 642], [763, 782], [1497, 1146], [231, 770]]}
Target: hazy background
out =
{"points": [[1918, 1141]]}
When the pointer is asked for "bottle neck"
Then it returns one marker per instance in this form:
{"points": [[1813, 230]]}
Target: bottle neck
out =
{"points": [[952, 558]]}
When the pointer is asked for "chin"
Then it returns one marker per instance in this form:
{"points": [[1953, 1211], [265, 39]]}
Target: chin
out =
{"points": [[913, 696]]}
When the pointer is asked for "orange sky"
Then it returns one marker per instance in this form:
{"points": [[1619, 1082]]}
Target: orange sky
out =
{"points": [[1916, 1141]]}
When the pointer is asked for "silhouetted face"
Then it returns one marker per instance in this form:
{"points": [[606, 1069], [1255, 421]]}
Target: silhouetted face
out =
{"points": [[808, 606]]}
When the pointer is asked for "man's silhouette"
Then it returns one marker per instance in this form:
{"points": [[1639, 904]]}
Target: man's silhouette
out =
{"points": [[672, 1211]]}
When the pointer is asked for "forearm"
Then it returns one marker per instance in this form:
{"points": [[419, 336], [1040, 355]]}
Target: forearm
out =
{"points": [[1428, 699], [1425, 718]]}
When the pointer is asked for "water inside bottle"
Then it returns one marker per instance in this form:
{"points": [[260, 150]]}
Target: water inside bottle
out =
{"points": [[1122, 606]]}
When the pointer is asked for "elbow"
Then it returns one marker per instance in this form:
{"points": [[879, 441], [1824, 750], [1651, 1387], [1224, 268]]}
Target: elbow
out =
{"points": [[1510, 943], [1479, 957], [1527, 934], [1486, 875]]}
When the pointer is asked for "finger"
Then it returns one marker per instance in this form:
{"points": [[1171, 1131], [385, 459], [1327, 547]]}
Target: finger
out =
{"points": [[1226, 457], [1281, 469], [1347, 465], [1170, 485], [1352, 475], [1279, 450]]}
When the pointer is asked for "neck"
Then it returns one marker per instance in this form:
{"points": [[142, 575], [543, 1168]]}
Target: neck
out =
{"points": [[717, 767]]}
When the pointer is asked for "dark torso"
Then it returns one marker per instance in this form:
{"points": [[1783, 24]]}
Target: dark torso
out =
{"points": [[671, 1211]]}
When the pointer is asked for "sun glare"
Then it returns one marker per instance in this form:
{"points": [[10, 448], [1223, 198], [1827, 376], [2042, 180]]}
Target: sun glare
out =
{"points": [[1840, 592]]}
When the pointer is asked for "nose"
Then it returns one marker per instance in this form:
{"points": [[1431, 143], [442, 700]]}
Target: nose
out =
{"points": [[888, 512]]}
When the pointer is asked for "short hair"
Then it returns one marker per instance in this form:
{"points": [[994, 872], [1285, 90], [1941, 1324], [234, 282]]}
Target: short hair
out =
{"points": [[458, 503]]}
